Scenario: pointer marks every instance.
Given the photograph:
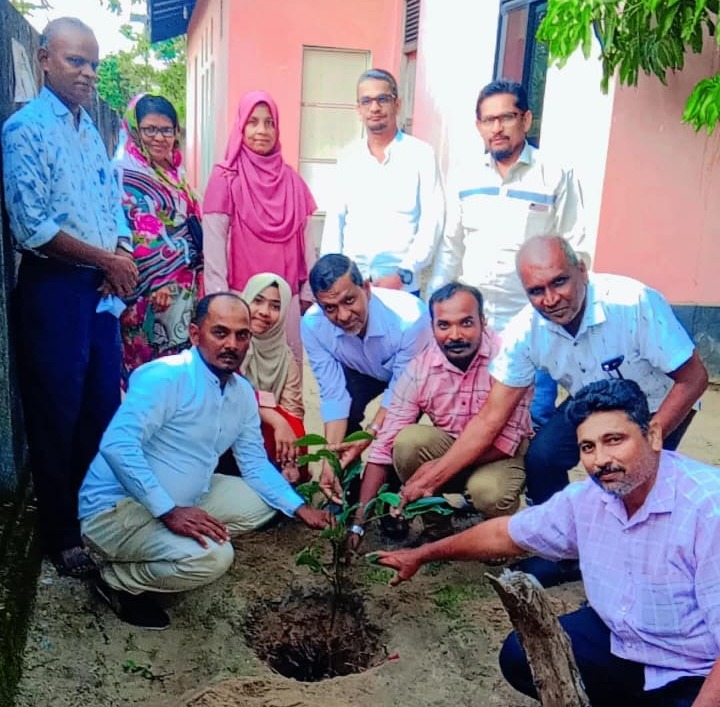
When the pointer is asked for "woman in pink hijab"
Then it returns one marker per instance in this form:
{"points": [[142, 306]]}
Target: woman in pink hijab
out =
{"points": [[256, 213]]}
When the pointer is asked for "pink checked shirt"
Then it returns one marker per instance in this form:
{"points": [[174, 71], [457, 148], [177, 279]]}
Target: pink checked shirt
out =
{"points": [[654, 579], [449, 397]]}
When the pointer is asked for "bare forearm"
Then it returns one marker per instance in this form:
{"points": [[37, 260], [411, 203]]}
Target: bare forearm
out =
{"points": [[270, 417], [690, 382], [373, 478], [71, 250], [486, 541], [335, 431]]}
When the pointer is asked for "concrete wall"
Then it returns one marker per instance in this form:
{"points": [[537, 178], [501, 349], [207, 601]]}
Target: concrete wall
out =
{"points": [[261, 47]]}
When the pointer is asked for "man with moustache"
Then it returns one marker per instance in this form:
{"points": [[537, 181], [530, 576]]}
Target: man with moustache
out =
{"points": [[579, 327], [389, 208], [449, 382], [646, 529], [150, 505], [497, 201], [358, 340], [67, 220]]}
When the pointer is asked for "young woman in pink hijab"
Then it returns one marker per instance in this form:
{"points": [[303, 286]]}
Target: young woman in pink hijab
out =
{"points": [[256, 213]]}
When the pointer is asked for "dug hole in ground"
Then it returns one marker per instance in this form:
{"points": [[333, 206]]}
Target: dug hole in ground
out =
{"points": [[430, 642]]}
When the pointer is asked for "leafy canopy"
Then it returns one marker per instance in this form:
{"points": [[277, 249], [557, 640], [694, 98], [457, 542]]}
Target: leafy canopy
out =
{"points": [[651, 36]]}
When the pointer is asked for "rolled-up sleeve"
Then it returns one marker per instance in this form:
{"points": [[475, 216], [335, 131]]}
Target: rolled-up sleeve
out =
{"points": [[513, 366], [27, 177]]}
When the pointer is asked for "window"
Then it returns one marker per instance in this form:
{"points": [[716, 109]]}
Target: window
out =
{"points": [[328, 120], [406, 79], [520, 57]]}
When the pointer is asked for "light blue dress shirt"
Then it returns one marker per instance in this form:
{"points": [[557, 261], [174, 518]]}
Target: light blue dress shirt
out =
{"points": [[398, 328], [163, 443], [58, 177]]}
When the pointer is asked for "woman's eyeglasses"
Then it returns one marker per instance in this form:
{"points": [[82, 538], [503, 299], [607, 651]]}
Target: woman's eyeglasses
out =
{"points": [[152, 131]]}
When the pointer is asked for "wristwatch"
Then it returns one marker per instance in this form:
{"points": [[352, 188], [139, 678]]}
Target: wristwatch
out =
{"points": [[357, 530], [406, 276], [373, 428], [126, 246]]}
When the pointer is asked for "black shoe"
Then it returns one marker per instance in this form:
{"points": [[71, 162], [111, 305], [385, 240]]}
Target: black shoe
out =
{"points": [[547, 572], [140, 610], [394, 528]]}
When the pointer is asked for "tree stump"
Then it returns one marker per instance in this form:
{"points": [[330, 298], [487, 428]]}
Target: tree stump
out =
{"points": [[547, 646]]}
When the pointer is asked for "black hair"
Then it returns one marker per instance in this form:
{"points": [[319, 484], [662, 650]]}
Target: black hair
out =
{"points": [[447, 291], [329, 269], [380, 75], [149, 104], [608, 395], [203, 306], [502, 86]]}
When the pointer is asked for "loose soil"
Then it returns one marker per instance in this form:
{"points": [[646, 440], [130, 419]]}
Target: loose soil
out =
{"points": [[440, 633]]}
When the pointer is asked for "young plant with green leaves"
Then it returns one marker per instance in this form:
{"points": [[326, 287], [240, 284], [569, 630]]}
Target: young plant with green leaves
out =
{"points": [[336, 537]]}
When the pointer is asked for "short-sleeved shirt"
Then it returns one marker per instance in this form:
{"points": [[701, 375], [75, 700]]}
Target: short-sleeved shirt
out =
{"points": [[450, 397], [398, 327], [622, 317], [58, 177], [653, 578]]}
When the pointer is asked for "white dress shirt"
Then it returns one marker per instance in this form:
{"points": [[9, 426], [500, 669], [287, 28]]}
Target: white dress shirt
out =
{"points": [[386, 215], [490, 217], [622, 317], [164, 442]]}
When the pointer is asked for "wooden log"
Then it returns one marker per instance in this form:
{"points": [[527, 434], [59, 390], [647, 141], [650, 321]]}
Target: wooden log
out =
{"points": [[547, 646]]}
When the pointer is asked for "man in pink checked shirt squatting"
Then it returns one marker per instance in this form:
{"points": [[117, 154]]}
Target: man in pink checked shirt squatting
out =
{"points": [[645, 527], [448, 381]]}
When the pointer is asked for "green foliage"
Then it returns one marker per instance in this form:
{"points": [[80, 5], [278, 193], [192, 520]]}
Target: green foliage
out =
{"points": [[144, 671], [451, 598], [652, 36], [336, 537], [25, 8], [155, 68]]}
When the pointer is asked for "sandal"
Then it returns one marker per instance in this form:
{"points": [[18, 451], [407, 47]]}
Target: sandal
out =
{"points": [[74, 562]]}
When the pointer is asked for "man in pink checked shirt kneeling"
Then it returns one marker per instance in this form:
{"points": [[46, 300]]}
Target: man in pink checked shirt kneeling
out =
{"points": [[646, 529], [449, 382]]}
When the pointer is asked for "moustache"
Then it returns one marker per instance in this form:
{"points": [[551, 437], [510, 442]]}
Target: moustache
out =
{"points": [[230, 355], [608, 469], [456, 346]]}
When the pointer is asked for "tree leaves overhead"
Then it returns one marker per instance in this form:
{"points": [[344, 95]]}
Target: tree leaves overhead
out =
{"points": [[652, 36]]}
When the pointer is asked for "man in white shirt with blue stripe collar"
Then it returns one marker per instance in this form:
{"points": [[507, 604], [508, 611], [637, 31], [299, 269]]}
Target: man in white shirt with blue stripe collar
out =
{"points": [[389, 207], [150, 505]]}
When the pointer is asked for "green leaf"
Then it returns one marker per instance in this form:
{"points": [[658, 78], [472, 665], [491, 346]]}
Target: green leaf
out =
{"points": [[352, 472], [310, 440], [304, 459], [308, 557], [425, 502], [308, 491], [359, 436], [390, 498]]}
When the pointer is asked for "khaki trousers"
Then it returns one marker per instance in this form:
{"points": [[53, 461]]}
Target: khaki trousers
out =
{"points": [[137, 553], [493, 488]]}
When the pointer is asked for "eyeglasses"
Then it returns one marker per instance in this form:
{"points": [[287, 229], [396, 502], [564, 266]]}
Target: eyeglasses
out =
{"points": [[505, 119], [153, 130], [383, 99]]}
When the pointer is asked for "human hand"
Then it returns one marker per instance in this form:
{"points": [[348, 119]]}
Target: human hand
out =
{"points": [[122, 273], [348, 452], [315, 518], [330, 484], [291, 472], [392, 282], [421, 484], [305, 305], [162, 298], [354, 540], [105, 288], [404, 562], [194, 522], [285, 449]]}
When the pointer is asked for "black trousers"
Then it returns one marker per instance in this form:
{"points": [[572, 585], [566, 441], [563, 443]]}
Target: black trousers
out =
{"points": [[70, 363], [362, 389], [609, 681]]}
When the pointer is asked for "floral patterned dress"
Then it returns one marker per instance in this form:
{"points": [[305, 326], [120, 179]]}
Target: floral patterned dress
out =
{"points": [[157, 204]]}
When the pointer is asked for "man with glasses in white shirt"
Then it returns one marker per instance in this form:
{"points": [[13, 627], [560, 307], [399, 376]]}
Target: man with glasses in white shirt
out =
{"points": [[499, 200], [389, 208]]}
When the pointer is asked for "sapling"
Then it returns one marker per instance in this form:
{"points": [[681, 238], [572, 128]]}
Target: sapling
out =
{"points": [[337, 536]]}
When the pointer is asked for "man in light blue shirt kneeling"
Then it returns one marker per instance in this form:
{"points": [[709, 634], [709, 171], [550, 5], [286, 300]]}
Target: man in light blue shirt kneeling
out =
{"points": [[150, 506]]}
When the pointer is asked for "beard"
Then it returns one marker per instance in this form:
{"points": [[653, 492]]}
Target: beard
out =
{"points": [[500, 155]]}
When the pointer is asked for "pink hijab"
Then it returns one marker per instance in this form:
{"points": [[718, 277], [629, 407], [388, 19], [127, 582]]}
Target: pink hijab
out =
{"points": [[268, 204]]}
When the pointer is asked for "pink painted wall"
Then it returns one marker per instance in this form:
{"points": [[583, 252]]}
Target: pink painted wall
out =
{"points": [[660, 213], [262, 48]]}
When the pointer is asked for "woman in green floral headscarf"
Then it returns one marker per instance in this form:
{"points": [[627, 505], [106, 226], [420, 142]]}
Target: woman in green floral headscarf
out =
{"points": [[158, 204]]}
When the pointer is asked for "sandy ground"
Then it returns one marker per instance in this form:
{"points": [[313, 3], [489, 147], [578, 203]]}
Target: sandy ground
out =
{"points": [[445, 628]]}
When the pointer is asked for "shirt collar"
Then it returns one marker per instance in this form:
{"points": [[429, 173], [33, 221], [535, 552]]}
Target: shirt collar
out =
{"points": [[59, 108], [388, 148], [205, 370]]}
